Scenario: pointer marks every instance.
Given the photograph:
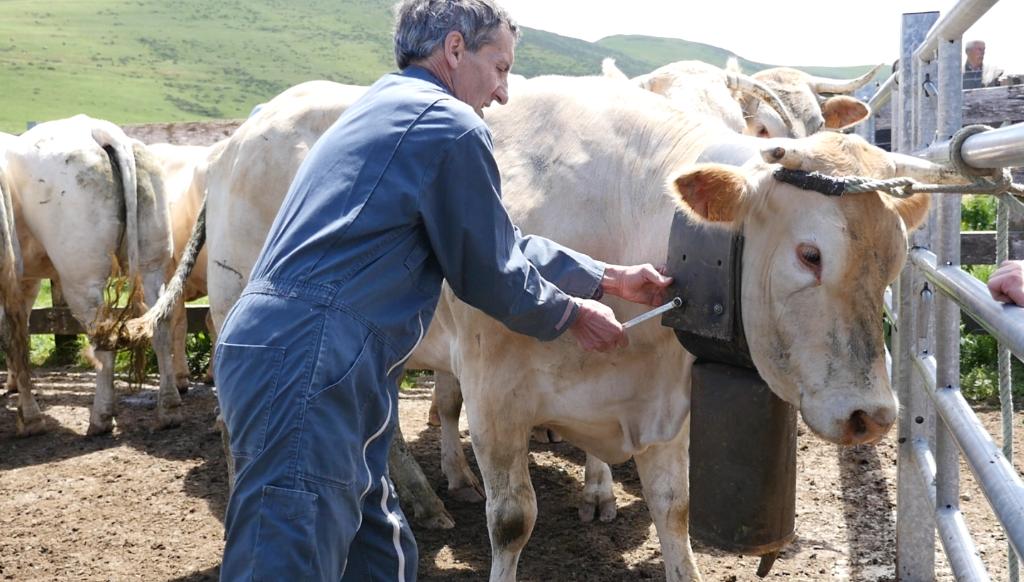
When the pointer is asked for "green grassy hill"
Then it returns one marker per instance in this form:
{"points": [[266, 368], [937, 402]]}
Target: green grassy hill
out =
{"points": [[135, 61], [654, 52]]}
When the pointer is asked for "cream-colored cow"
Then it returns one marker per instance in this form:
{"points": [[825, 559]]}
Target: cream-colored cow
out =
{"points": [[184, 168], [814, 271], [84, 194]]}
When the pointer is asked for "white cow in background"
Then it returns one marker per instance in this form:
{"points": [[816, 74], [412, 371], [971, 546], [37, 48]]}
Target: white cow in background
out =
{"points": [[777, 102], [184, 169], [86, 195]]}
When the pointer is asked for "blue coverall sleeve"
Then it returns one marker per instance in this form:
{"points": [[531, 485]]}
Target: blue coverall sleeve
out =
{"points": [[477, 247], [573, 272]]}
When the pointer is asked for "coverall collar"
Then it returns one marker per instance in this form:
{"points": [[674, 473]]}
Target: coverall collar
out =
{"points": [[418, 72]]}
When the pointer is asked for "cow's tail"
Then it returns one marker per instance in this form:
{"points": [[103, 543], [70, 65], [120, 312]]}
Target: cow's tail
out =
{"points": [[141, 328], [122, 157]]}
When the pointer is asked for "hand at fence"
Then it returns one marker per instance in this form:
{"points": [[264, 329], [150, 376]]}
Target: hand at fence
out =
{"points": [[1007, 283]]}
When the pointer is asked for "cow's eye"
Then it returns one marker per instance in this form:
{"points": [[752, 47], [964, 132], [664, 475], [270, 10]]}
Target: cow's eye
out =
{"points": [[810, 257]]}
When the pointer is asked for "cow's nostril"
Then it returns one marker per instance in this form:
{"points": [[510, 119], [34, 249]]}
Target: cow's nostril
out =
{"points": [[859, 422]]}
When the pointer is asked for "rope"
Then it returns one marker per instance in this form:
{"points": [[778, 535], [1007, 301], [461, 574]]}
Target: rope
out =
{"points": [[1005, 371], [906, 187]]}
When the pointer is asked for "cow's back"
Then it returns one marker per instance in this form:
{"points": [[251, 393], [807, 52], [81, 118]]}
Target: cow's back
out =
{"points": [[250, 175]]}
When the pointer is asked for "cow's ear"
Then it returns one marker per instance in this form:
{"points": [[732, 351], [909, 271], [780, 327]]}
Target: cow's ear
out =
{"points": [[913, 210], [711, 192], [843, 111]]}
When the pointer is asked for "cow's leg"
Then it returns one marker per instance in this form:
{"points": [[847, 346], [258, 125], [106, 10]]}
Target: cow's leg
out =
{"points": [[29, 418], [169, 400], [212, 333], [501, 441], [597, 491], [84, 296], [179, 325], [462, 483], [101, 418], [413, 488], [29, 292], [664, 472], [433, 418]]}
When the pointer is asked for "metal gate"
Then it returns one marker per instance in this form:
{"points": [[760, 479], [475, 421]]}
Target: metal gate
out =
{"points": [[936, 424]]}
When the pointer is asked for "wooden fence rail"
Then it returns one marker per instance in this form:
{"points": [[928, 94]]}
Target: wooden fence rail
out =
{"points": [[58, 320]]}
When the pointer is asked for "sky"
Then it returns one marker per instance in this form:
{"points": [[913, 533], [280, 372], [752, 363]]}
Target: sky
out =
{"points": [[784, 32]]}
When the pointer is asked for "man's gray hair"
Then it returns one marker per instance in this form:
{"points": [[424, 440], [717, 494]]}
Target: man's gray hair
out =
{"points": [[422, 25]]}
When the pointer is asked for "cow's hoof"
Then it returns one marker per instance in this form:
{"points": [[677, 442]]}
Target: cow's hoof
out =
{"points": [[605, 510], [103, 424], [467, 494], [182, 384], [32, 427], [442, 520], [169, 419]]}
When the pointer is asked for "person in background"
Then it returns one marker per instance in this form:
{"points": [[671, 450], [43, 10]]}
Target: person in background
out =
{"points": [[976, 73]]}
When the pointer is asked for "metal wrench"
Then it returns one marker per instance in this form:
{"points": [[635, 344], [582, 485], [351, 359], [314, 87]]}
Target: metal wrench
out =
{"points": [[675, 303]]}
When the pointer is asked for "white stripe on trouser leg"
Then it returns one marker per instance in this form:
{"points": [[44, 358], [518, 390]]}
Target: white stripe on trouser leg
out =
{"points": [[375, 436], [396, 527]]}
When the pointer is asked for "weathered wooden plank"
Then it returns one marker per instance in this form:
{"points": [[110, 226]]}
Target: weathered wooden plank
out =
{"points": [[988, 106], [979, 248], [57, 320]]}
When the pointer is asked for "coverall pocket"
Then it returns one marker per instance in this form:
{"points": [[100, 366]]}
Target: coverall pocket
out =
{"points": [[337, 425], [424, 269], [286, 542], [247, 380]]}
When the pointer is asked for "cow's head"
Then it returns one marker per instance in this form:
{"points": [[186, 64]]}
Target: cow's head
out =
{"points": [[816, 103], [814, 271]]}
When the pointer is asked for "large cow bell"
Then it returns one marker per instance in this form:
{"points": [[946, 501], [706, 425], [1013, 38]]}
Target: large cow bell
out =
{"points": [[742, 436]]}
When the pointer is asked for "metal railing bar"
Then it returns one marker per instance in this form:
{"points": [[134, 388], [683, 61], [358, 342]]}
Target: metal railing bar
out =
{"points": [[884, 93], [994, 473], [1004, 322], [998, 148], [952, 25], [962, 554]]}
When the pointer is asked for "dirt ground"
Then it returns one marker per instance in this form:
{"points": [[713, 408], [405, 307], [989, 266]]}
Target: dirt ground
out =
{"points": [[147, 505]]}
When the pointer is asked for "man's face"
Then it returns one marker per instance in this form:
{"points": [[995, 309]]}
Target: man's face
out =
{"points": [[482, 76], [976, 54]]}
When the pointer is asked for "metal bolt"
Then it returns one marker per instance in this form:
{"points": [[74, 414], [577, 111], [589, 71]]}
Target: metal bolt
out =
{"points": [[718, 309], [919, 420]]}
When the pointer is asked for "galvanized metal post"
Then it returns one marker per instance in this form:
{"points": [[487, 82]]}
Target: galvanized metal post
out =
{"points": [[915, 523]]}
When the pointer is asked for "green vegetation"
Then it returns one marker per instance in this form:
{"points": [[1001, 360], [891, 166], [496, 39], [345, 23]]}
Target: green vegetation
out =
{"points": [[979, 353], [653, 52], [138, 61]]}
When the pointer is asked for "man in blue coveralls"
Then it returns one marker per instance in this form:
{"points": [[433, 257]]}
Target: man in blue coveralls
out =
{"points": [[400, 193]]}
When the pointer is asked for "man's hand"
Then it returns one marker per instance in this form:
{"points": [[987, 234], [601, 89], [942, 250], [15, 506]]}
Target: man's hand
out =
{"points": [[637, 283], [596, 328], [1007, 283]]}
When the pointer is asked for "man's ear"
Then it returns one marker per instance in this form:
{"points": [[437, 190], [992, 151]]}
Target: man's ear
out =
{"points": [[711, 192], [843, 111], [454, 48]]}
